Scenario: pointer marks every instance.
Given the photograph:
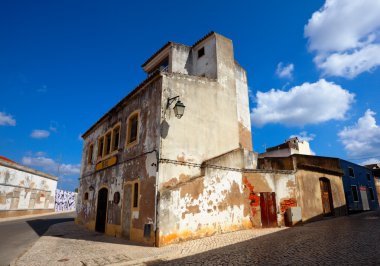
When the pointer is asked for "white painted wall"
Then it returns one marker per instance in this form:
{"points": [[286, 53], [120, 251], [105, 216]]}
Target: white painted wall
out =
{"points": [[18, 189]]}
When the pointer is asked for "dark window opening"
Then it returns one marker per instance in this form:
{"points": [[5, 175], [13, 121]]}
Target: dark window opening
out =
{"points": [[201, 52], [368, 177], [133, 124], [147, 230], [136, 195], [85, 196], [354, 191], [116, 197], [108, 144], [100, 147], [351, 172], [90, 152], [371, 195], [116, 137]]}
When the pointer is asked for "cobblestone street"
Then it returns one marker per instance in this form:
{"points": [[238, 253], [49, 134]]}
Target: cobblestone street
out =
{"points": [[348, 240], [352, 240]]}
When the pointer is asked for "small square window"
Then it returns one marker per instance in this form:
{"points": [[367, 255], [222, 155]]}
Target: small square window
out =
{"points": [[351, 172], [201, 52]]}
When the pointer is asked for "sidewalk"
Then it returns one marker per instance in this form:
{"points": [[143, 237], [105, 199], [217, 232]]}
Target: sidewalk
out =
{"points": [[15, 218], [71, 244]]}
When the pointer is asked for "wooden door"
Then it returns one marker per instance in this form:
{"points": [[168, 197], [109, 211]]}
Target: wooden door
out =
{"points": [[268, 209], [326, 196], [101, 210]]}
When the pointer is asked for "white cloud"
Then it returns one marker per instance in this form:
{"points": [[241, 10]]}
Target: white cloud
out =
{"points": [[6, 120], [40, 134], [304, 136], [285, 71], [371, 161], [363, 138], [345, 35], [51, 166], [309, 103]]}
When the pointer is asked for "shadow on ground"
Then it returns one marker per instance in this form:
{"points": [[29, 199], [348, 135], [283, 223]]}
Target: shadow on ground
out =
{"points": [[350, 240], [40, 226]]}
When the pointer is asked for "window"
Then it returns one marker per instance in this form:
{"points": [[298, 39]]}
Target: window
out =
{"points": [[90, 152], [115, 138], [354, 191], [85, 196], [368, 177], [133, 128], [201, 52], [136, 195], [116, 197], [107, 146], [351, 172], [371, 195], [100, 147]]}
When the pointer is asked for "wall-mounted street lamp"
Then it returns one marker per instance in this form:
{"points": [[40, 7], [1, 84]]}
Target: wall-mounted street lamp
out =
{"points": [[179, 107]]}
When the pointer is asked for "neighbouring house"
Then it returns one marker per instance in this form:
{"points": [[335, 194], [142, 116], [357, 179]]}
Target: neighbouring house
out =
{"points": [[310, 186], [359, 187], [376, 175], [289, 147], [24, 190], [156, 175]]}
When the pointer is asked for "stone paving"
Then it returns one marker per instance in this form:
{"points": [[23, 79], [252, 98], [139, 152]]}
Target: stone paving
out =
{"points": [[352, 240]]}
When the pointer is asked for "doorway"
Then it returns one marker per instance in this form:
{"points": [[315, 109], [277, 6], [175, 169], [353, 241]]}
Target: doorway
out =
{"points": [[268, 209], [101, 211], [327, 201]]}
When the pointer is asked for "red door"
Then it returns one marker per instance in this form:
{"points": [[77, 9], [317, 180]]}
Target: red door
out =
{"points": [[268, 209]]}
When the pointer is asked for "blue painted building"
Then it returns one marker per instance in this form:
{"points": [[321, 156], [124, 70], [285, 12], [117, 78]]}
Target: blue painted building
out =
{"points": [[359, 187]]}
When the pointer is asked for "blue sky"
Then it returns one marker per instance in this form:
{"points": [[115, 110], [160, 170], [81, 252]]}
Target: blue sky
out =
{"points": [[63, 64]]}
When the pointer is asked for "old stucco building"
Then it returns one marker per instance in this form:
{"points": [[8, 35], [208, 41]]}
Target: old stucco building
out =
{"points": [[153, 178], [24, 190]]}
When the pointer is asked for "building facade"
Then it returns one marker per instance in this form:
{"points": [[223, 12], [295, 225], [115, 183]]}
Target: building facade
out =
{"points": [[24, 190], [289, 147], [359, 187], [310, 184], [153, 178]]}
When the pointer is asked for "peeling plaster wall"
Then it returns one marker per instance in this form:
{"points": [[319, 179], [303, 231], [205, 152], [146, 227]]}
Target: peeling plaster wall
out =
{"points": [[282, 183], [137, 163], [181, 59], [203, 206], [244, 118], [205, 65], [310, 194], [20, 190]]}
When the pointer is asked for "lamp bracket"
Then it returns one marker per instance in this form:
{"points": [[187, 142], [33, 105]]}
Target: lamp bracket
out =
{"points": [[170, 101]]}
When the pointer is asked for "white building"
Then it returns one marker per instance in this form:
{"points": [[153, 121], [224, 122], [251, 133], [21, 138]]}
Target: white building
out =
{"points": [[24, 190], [290, 147]]}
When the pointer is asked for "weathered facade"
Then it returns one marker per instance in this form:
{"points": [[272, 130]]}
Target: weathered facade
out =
{"points": [[24, 190], [312, 183], [156, 179], [359, 187]]}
